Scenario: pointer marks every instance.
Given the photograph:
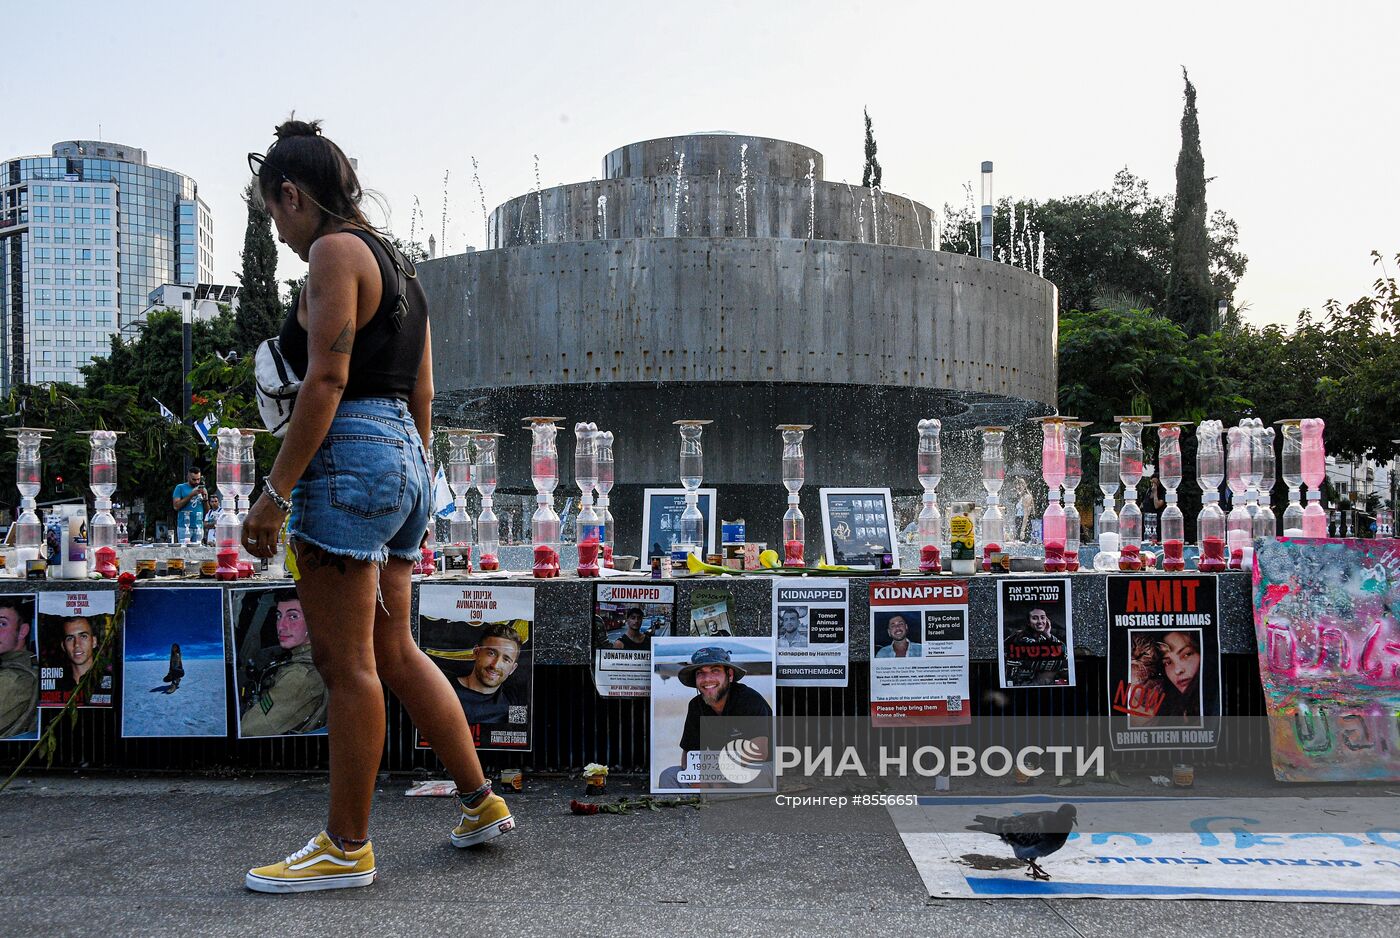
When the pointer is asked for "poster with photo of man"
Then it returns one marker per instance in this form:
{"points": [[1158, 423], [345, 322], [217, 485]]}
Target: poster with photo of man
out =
{"points": [[919, 665], [173, 664], [480, 636], [626, 618], [1035, 625], [712, 714], [278, 689], [1164, 662], [75, 655], [810, 618], [19, 668]]}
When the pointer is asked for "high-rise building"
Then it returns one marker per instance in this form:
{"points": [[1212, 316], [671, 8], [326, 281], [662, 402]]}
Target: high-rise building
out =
{"points": [[86, 234]]}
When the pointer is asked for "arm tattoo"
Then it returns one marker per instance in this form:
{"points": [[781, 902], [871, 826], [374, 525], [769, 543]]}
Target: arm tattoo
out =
{"points": [[346, 340]]}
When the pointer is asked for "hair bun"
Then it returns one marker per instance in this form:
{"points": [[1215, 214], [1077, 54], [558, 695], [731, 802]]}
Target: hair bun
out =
{"points": [[295, 128]]}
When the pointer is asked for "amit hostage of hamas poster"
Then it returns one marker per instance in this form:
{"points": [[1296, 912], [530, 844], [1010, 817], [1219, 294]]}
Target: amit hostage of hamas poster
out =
{"points": [[1163, 662], [73, 625], [19, 668], [919, 653], [1035, 632], [713, 701], [480, 636], [279, 690], [809, 621], [626, 617]]}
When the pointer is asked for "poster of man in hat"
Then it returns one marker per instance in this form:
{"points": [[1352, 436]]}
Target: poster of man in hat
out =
{"points": [[480, 636], [809, 620], [712, 714]]}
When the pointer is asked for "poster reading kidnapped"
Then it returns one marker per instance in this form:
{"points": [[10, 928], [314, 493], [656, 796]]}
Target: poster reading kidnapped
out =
{"points": [[1035, 632], [278, 689], [918, 653], [626, 618], [74, 641], [809, 620], [19, 668], [713, 701], [480, 636], [1163, 662], [1325, 619], [173, 663]]}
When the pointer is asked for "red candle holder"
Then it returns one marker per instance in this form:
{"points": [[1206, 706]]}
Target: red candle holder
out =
{"points": [[792, 554], [607, 556], [228, 562], [1130, 557], [987, 552], [429, 562], [106, 565], [1173, 555], [588, 557], [1055, 557], [1236, 558], [930, 559], [1212, 558], [245, 569], [546, 562], [489, 563]]}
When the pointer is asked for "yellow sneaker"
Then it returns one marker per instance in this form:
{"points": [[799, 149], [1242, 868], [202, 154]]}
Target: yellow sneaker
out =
{"points": [[318, 865], [489, 819]]}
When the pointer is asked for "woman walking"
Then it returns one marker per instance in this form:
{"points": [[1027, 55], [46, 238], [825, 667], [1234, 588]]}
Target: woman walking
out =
{"points": [[353, 474]]}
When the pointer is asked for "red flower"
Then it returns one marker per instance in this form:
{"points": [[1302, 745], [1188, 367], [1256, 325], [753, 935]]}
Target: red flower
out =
{"points": [[126, 581], [582, 807], [198, 399]]}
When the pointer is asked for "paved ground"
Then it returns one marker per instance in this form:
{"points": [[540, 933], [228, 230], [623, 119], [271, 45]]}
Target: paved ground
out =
{"points": [[166, 856]]}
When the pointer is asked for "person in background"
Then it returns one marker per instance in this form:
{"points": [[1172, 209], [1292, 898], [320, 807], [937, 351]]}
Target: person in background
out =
{"points": [[211, 518], [188, 500]]}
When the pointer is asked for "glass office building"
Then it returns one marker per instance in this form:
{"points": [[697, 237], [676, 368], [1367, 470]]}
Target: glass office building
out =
{"points": [[86, 234]]}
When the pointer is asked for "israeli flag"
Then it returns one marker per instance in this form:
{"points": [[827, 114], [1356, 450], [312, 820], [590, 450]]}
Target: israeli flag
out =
{"points": [[165, 412], [443, 505], [205, 427]]}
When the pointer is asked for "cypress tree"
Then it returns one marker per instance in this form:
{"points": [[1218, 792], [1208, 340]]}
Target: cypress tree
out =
{"points": [[871, 178], [1190, 293], [259, 305]]}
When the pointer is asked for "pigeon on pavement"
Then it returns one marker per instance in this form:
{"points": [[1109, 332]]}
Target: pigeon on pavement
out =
{"points": [[1031, 836]]}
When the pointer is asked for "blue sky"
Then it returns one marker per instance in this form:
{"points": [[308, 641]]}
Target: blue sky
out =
{"points": [[1295, 101], [192, 617]]}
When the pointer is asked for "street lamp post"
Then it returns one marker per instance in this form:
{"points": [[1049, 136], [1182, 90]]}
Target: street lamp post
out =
{"points": [[187, 356], [986, 231]]}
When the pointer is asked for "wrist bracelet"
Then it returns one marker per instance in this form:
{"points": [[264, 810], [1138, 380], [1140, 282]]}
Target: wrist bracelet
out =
{"points": [[277, 500]]}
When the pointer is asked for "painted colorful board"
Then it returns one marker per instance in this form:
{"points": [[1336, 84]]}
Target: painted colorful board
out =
{"points": [[1327, 620]]}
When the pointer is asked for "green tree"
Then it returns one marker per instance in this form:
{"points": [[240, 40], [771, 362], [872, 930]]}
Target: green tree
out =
{"points": [[871, 177], [259, 306], [1109, 248], [118, 393], [1190, 293]]}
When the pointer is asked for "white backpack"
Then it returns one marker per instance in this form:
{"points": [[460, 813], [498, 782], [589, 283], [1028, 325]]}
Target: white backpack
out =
{"points": [[277, 383], [277, 386]]}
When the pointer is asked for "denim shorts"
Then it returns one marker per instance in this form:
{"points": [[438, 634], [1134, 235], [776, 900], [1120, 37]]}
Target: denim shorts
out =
{"points": [[367, 492]]}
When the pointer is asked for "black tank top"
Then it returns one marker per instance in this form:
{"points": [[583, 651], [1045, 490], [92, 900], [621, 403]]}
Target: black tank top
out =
{"points": [[384, 361]]}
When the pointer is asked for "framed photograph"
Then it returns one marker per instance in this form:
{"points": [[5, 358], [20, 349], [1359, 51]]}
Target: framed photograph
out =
{"points": [[173, 670], [858, 527], [661, 519]]}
